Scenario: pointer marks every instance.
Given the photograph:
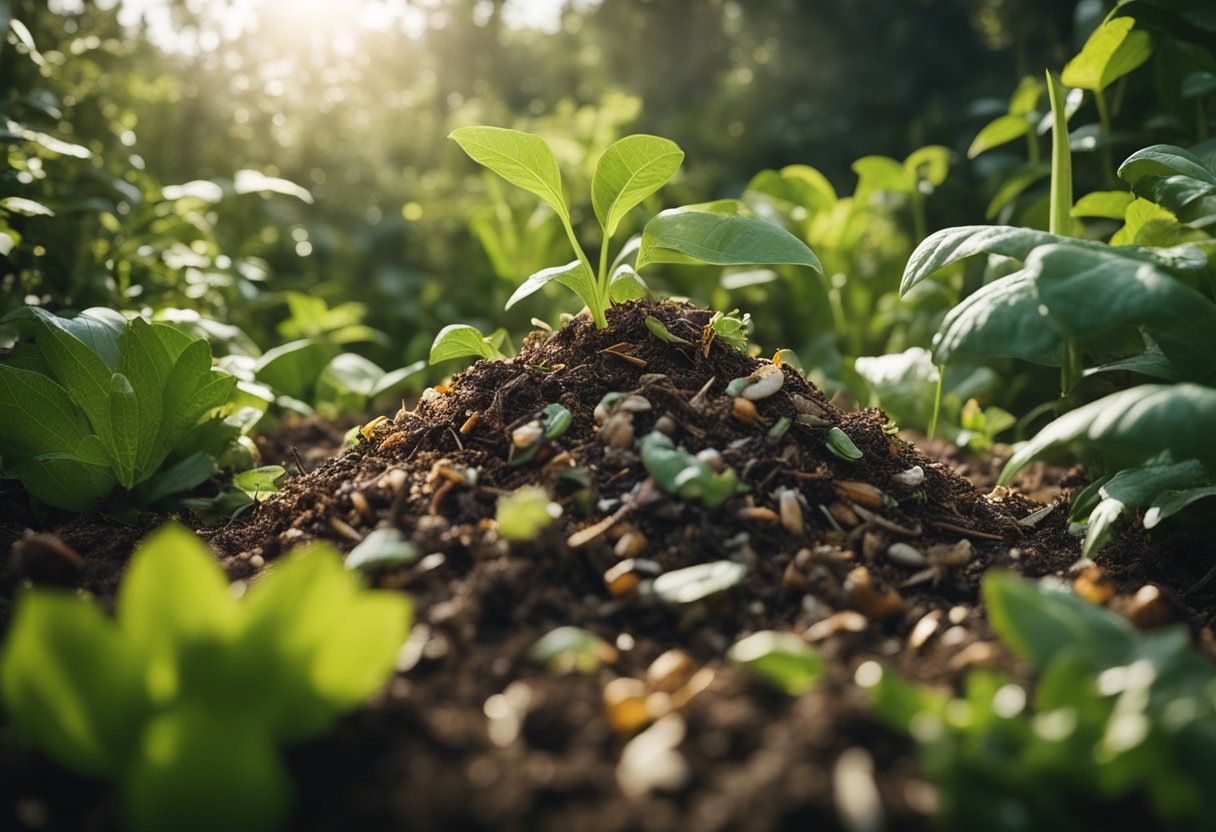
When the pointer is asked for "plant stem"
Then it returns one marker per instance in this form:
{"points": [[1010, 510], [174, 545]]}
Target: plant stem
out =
{"points": [[1032, 148], [1070, 367], [597, 310], [601, 280], [937, 401], [1061, 162], [1108, 164]]}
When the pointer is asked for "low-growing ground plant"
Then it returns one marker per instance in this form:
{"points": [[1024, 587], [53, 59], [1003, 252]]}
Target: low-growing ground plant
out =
{"points": [[95, 403], [1116, 715], [185, 697]]}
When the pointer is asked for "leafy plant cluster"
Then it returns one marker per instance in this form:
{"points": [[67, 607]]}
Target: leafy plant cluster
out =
{"points": [[1124, 306], [1115, 716], [185, 697]]}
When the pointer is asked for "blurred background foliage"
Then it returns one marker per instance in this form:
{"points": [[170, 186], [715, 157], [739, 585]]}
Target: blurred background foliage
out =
{"points": [[209, 160]]}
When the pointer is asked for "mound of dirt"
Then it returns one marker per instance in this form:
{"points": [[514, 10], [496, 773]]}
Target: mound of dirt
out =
{"points": [[849, 554]]}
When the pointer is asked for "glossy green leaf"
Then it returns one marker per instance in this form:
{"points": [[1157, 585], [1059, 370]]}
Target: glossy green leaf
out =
{"points": [[1129, 427], [523, 159], [1041, 621], [258, 483], [1113, 50], [36, 416], [1168, 503], [1000, 320], [999, 131], [321, 644], [695, 583], [841, 446], [291, 369], [950, 245], [174, 593], [459, 341], [72, 684], [202, 769], [1135, 488], [67, 480], [574, 275], [630, 170], [1087, 291], [626, 284], [678, 235], [660, 331], [1109, 205], [782, 659], [1164, 160], [1149, 224]]}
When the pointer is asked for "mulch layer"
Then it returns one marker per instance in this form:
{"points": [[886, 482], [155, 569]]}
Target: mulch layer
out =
{"points": [[473, 734]]}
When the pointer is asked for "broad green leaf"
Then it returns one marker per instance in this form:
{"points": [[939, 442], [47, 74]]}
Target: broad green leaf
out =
{"points": [[1163, 160], [68, 481], [782, 659], [897, 702], [395, 379], [678, 235], [1025, 98], [201, 769], [127, 419], [1111, 205], [1129, 427], [1135, 488], [257, 483], [1041, 621], [348, 378], [626, 284], [1015, 186], [574, 275], [193, 390], [321, 644], [99, 328], [1087, 291], [523, 159], [82, 372], [950, 245], [695, 583], [1149, 224], [1168, 503], [1198, 84], [460, 340], [630, 170], [36, 416], [174, 597], [999, 131], [1112, 51], [1152, 362], [148, 356], [292, 368], [71, 683], [181, 476], [25, 207], [881, 173], [929, 164], [1000, 320], [791, 195], [525, 512]]}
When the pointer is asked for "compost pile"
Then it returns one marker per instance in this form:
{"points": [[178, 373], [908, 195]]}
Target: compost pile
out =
{"points": [[877, 557]]}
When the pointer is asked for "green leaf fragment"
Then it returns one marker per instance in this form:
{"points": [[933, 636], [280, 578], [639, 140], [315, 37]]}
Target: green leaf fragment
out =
{"points": [[685, 476], [660, 331], [382, 549], [782, 659], [525, 512], [841, 446]]}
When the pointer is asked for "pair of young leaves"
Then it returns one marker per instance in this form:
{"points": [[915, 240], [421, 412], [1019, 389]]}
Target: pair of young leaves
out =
{"points": [[631, 169], [185, 697], [95, 402]]}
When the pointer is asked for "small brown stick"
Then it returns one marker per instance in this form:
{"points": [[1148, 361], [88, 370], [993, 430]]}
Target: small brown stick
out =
{"points": [[295, 456], [963, 530]]}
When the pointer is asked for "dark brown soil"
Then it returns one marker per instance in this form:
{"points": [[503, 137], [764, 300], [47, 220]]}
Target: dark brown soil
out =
{"points": [[473, 735]]}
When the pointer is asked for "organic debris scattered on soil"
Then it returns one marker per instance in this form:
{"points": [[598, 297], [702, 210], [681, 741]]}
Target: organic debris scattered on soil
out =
{"points": [[473, 734]]}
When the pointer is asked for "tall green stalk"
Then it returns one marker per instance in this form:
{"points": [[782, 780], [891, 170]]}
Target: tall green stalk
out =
{"points": [[1061, 210]]}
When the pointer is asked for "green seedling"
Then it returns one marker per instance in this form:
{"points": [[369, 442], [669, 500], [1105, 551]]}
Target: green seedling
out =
{"points": [[631, 170], [525, 512], [1116, 717], [461, 340], [571, 649], [186, 695], [95, 403], [660, 331], [685, 476]]}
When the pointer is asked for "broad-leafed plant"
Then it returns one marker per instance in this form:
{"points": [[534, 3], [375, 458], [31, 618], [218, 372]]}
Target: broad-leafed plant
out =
{"points": [[1110, 315], [95, 403], [186, 695], [632, 169]]}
